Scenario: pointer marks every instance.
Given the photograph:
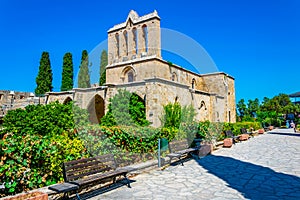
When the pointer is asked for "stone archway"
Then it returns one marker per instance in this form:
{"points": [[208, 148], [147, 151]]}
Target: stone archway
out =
{"points": [[67, 100], [137, 101], [96, 109]]}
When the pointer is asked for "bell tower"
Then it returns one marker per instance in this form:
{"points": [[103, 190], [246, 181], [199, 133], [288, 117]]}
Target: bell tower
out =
{"points": [[137, 37]]}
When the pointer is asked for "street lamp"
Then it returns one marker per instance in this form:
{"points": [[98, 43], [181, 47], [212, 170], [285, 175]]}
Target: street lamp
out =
{"points": [[12, 95]]}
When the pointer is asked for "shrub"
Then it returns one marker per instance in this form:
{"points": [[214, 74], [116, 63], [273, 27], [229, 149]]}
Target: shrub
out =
{"points": [[36, 141], [53, 118], [30, 161], [172, 115], [125, 108]]}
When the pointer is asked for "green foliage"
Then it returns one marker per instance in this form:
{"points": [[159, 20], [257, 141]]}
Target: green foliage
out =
{"points": [[36, 141], [236, 127], [44, 77], [84, 74], [134, 139], [253, 107], [137, 110], [215, 131], [172, 115], [67, 73], [31, 160], [103, 64], [188, 114], [125, 108], [50, 119], [269, 112], [97, 142], [241, 108]]}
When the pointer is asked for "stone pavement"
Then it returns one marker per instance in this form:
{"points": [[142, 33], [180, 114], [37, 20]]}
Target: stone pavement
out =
{"points": [[264, 167]]}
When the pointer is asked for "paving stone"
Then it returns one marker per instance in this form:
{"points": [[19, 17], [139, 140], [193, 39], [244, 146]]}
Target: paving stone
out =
{"points": [[264, 167]]}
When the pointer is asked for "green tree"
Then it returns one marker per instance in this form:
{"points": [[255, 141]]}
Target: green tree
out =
{"points": [[67, 73], [241, 108], [84, 74], [44, 77], [125, 108], [253, 107], [103, 64]]}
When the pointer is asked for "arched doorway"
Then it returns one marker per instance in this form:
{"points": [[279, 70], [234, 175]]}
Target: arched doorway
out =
{"points": [[96, 109], [139, 113], [67, 100]]}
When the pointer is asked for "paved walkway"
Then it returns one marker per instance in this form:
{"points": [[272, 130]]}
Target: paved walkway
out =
{"points": [[265, 167]]}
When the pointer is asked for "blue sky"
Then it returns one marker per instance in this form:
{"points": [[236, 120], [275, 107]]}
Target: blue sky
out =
{"points": [[257, 42]]}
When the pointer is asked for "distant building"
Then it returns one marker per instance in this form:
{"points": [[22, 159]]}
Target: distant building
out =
{"points": [[10, 100], [135, 64]]}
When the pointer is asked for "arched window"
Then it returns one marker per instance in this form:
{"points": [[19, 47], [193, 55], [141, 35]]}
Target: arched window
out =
{"points": [[67, 100], [117, 44], [174, 76], [126, 42], [130, 76], [135, 40], [145, 36], [202, 105], [193, 83]]}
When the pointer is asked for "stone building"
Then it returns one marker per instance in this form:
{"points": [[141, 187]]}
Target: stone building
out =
{"points": [[135, 64], [10, 100]]}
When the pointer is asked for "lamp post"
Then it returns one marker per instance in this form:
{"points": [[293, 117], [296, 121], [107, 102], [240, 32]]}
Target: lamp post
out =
{"points": [[12, 95]]}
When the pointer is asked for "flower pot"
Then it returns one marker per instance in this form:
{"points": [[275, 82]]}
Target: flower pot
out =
{"points": [[227, 142], [30, 196], [261, 131], [244, 137], [271, 128]]}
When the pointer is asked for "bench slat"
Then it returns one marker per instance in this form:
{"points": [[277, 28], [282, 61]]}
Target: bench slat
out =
{"points": [[80, 174]]}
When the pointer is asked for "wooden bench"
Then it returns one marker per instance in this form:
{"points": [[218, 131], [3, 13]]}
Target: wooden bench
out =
{"points": [[180, 149], [89, 171], [235, 138], [244, 131]]}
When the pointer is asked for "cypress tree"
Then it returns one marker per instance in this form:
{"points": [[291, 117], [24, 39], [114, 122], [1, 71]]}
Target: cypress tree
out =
{"points": [[103, 64], [67, 73], [84, 75], [44, 77]]}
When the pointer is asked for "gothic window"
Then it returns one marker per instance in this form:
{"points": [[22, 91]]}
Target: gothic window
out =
{"points": [[145, 36], [202, 105], [135, 38], [174, 76], [193, 83], [130, 76], [117, 44], [126, 41]]}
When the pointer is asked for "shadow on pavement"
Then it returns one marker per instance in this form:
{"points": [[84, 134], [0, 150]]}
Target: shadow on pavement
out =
{"points": [[286, 134], [253, 181], [102, 190]]}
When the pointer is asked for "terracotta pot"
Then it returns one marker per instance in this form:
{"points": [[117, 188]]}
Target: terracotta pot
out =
{"points": [[271, 128], [261, 131], [30, 196], [227, 142], [244, 137]]}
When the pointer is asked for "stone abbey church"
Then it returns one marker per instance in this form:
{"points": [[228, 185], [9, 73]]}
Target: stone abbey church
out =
{"points": [[135, 64]]}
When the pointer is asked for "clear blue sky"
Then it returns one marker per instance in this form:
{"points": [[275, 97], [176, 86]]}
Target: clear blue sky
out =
{"points": [[255, 41]]}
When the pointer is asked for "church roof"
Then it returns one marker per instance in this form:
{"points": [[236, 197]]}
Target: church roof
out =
{"points": [[134, 18]]}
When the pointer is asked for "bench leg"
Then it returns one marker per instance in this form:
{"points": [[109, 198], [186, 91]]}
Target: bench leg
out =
{"points": [[128, 181], [181, 161], [77, 195]]}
